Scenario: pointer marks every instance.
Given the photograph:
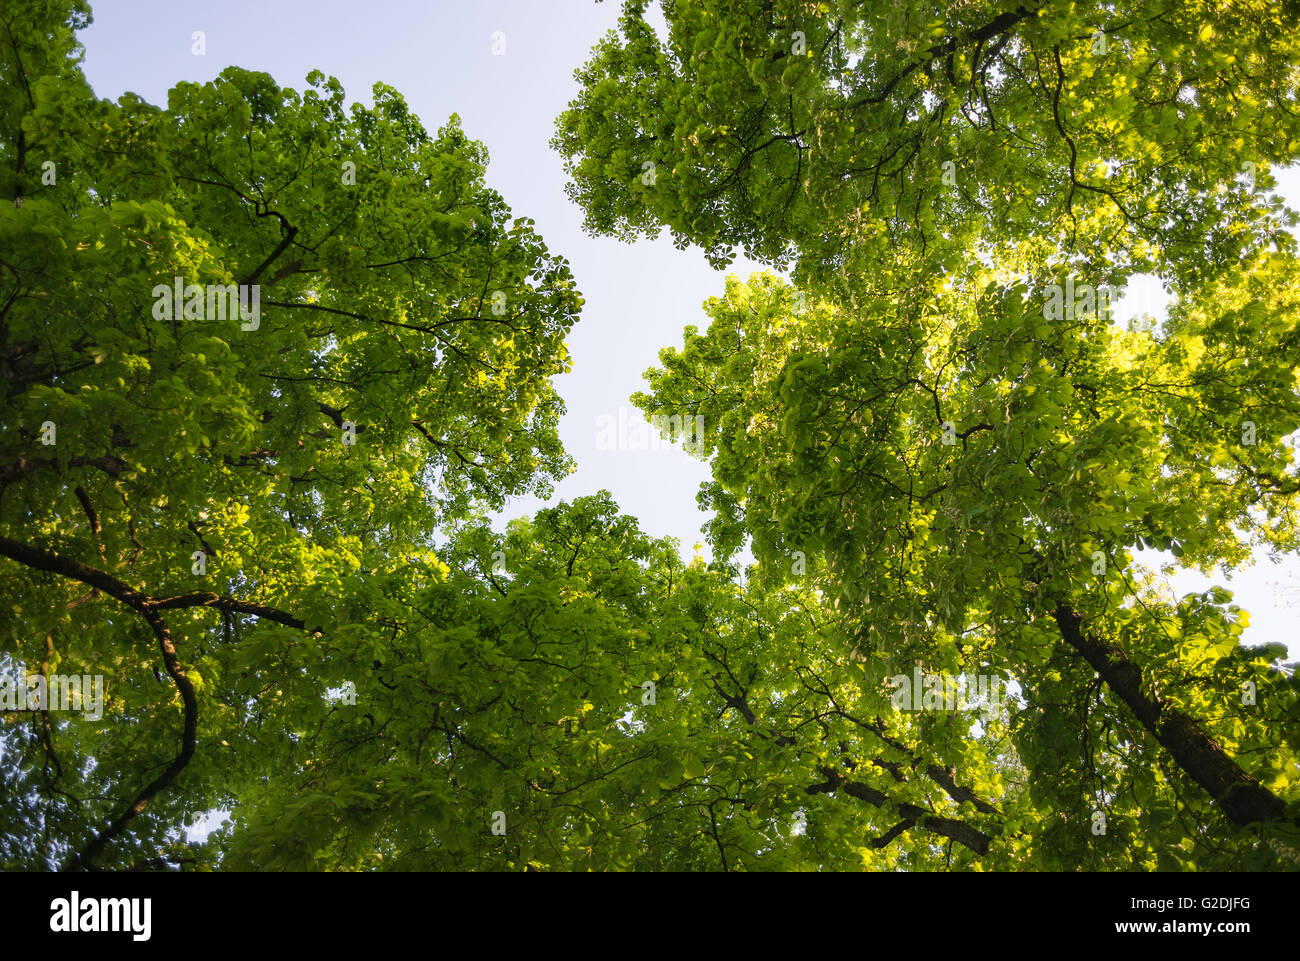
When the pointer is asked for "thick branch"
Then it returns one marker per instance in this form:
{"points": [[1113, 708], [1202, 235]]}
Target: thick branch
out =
{"points": [[950, 828], [1242, 798], [173, 770], [148, 607], [995, 27], [145, 603], [289, 233], [109, 464]]}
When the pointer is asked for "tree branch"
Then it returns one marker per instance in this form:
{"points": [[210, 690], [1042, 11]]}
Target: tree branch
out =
{"points": [[188, 739], [950, 828], [1242, 797]]}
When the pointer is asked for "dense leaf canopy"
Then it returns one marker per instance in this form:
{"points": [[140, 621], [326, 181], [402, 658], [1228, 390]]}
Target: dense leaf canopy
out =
{"points": [[943, 410], [267, 529]]}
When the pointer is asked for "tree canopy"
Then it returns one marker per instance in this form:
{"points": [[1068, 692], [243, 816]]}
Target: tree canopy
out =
{"points": [[271, 360], [943, 410], [171, 473]]}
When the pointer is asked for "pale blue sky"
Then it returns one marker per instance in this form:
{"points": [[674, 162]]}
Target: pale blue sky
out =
{"points": [[439, 55]]}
